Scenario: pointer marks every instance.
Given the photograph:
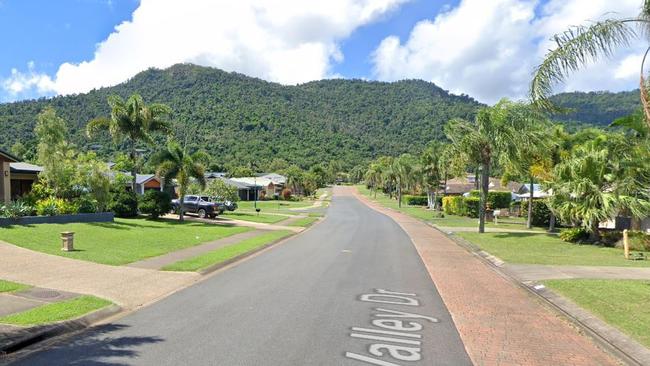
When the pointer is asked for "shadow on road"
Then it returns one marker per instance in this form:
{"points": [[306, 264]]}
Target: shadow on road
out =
{"points": [[94, 347]]}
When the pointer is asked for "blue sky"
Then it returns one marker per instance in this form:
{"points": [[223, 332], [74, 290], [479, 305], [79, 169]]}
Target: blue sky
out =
{"points": [[72, 46]]}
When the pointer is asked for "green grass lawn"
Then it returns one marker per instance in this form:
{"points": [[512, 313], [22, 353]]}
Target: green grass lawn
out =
{"points": [[120, 242], [274, 206], [621, 303], [228, 252], [254, 217], [58, 311], [539, 248], [7, 286], [422, 213], [304, 222]]}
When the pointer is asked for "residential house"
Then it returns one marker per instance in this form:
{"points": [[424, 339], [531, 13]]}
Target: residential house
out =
{"points": [[17, 177], [146, 182], [461, 186], [271, 184]]}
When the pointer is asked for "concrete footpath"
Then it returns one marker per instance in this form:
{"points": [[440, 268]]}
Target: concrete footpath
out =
{"points": [[128, 287], [498, 321]]}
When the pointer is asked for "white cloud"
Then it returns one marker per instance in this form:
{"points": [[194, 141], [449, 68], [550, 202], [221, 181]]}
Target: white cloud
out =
{"points": [[287, 41], [21, 83], [488, 49]]}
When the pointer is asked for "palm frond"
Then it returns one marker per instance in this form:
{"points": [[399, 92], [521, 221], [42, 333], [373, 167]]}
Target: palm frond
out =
{"points": [[97, 125], [577, 47]]}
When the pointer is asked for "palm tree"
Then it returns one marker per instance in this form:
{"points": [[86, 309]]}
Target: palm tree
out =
{"points": [[581, 45], [431, 172], [373, 177], [490, 139], [602, 178], [176, 163], [405, 168], [132, 121]]}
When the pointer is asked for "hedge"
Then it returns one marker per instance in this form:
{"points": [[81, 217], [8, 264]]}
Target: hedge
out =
{"points": [[454, 205], [472, 205], [541, 213], [416, 200], [495, 199]]}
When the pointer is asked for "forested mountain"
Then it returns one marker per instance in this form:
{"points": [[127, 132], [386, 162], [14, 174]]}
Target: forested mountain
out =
{"points": [[239, 119], [596, 108], [242, 120]]}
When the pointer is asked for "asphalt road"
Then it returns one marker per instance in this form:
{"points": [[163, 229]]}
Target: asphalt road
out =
{"points": [[300, 303]]}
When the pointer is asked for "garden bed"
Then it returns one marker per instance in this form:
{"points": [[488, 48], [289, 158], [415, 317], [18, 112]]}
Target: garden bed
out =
{"points": [[58, 219]]}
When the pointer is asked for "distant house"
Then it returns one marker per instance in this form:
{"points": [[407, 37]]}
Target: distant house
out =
{"points": [[212, 175], [146, 182], [17, 178], [461, 186], [271, 184]]}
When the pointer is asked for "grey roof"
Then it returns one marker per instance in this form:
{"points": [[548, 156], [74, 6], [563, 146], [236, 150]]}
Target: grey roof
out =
{"points": [[25, 168], [215, 174], [8, 155], [143, 178], [239, 185]]}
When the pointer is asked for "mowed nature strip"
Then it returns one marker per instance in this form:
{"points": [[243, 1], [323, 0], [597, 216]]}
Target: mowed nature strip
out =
{"points": [[117, 243], [499, 323], [621, 303], [58, 311], [532, 248], [226, 253], [8, 286]]}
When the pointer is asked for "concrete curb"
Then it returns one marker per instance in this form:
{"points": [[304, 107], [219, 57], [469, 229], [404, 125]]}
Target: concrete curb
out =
{"points": [[41, 333], [607, 337]]}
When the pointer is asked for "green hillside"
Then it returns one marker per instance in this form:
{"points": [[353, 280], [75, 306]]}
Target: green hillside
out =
{"points": [[239, 119], [596, 108]]}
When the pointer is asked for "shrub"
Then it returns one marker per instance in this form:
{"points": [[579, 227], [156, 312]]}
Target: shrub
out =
{"points": [[49, 206], [16, 209], [541, 212], [124, 204], [286, 194], [574, 235], [155, 203], [472, 206], [416, 200], [495, 199], [638, 241], [454, 205], [85, 204]]}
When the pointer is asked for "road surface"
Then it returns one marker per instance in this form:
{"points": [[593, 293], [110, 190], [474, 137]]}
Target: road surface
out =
{"points": [[350, 291]]}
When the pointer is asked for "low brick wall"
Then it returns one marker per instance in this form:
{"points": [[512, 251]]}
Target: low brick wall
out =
{"points": [[58, 219]]}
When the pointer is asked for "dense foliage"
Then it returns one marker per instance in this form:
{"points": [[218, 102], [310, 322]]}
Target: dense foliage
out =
{"points": [[595, 108], [155, 203], [241, 120]]}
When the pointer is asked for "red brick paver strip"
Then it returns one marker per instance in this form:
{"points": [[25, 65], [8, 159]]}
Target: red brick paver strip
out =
{"points": [[499, 323]]}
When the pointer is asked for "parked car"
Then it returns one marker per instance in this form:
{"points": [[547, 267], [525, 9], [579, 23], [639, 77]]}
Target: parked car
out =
{"points": [[199, 205]]}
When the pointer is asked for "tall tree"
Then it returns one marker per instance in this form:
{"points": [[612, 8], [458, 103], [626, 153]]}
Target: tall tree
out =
{"points": [[373, 177], [175, 163], [602, 178], [405, 167], [132, 122], [490, 139], [581, 45], [431, 172]]}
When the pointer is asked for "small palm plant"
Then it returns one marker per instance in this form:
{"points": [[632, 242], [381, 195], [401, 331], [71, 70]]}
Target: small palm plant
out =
{"points": [[175, 163], [132, 121]]}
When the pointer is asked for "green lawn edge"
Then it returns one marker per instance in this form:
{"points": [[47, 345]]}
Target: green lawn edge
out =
{"points": [[304, 222], [254, 217], [58, 311], [228, 252], [620, 303], [8, 286], [547, 249]]}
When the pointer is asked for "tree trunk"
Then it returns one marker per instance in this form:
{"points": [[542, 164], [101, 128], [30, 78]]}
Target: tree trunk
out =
{"points": [[435, 200], [594, 235], [399, 194], [551, 225], [133, 167], [180, 206], [476, 181], [529, 222], [430, 200], [485, 186]]}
